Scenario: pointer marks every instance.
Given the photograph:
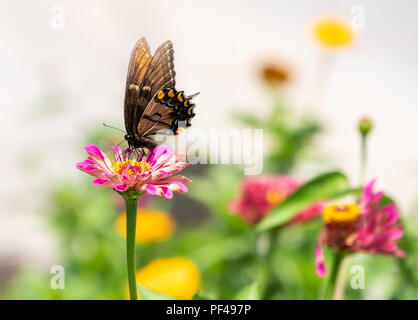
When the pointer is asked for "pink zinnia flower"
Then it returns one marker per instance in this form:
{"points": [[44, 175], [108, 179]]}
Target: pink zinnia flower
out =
{"points": [[365, 226], [259, 194], [150, 172]]}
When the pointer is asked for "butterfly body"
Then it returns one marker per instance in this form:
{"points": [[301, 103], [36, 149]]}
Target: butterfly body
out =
{"points": [[152, 104], [136, 141]]}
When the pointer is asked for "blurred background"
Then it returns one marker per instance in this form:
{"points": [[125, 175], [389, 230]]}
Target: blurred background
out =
{"points": [[64, 67]]}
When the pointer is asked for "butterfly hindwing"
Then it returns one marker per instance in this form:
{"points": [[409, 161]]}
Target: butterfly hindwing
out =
{"points": [[168, 110]]}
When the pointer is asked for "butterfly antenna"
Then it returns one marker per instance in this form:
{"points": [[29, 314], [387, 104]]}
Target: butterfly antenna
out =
{"points": [[107, 126], [194, 95]]}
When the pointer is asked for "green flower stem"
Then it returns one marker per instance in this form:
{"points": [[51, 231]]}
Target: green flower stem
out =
{"points": [[131, 211], [335, 286], [266, 243], [340, 283], [363, 158]]}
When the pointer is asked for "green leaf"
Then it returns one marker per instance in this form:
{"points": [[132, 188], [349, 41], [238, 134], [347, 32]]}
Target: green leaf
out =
{"points": [[200, 296], [147, 294], [386, 200], [326, 186], [251, 292]]}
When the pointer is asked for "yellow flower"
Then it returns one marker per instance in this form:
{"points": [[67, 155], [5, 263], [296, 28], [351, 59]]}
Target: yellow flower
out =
{"points": [[341, 213], [333, 32], [151, 225], [176, 277]]}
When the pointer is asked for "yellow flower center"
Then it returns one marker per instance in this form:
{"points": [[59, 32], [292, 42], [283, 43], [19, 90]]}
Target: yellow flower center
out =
{"points": [[341, 213], [129, 167], [333, 33], [274, 197]]}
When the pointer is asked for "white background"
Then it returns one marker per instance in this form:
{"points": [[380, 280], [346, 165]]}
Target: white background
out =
{"points": [[218, 45]]}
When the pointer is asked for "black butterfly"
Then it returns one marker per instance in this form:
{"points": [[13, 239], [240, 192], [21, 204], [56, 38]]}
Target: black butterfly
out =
{"points": [[151, 101]]}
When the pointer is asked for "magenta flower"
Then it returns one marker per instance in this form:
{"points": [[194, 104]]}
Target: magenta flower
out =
{"points": [[151, 172], [259, 194], [365, 226]]}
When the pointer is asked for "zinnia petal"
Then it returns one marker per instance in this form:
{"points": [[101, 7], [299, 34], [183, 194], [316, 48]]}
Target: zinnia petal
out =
{"points": [[151, 189], [118, 153], [151, 172], [121, 187], [94, 150], [319, 261], [99, 182], [178, 186], [157, 152], [168, 194]]}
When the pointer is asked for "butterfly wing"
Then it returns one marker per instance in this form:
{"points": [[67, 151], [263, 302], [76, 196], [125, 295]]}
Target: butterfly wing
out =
{"points": [[138, 66], [155, 118], [169, 109], [159, 75], [151, 101]]}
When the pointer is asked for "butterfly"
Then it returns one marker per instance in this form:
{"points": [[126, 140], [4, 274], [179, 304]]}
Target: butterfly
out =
{"points": [[152, 104]]}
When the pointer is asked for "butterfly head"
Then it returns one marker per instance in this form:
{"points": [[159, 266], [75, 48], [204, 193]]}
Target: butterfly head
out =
{"points": [[131, 141], [135, 142]]}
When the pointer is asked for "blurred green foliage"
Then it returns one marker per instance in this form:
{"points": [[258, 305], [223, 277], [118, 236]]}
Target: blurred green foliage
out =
{"points": [[226, 250], [290, 137]]}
